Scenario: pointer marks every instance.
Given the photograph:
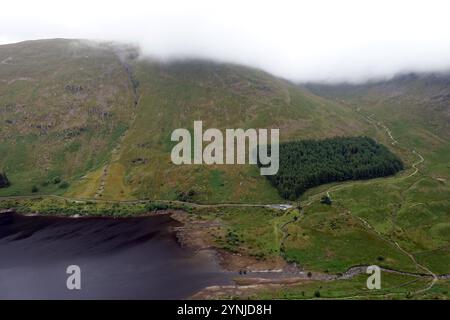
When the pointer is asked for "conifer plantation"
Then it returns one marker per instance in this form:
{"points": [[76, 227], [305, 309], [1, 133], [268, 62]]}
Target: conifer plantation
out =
{"points": [[309, 163]]}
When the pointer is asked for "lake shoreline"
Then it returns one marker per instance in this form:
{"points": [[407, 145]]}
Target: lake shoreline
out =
{"points": [[154, 263], [192, 235], [89, 216]]}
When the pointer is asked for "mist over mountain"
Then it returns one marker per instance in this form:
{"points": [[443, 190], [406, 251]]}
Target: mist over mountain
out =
{"points": [[324, 41], [97, 99], [97, 117], [85, 129]]}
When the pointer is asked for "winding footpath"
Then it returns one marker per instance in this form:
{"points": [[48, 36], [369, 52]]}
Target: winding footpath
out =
{"points": [[169, 202], [416, 170], [419, 266]]}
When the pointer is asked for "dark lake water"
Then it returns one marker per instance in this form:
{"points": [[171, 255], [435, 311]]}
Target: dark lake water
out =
{"points": [[129, 258]]}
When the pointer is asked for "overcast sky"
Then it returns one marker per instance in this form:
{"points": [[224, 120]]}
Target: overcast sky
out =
{"points": [[313, 40]]}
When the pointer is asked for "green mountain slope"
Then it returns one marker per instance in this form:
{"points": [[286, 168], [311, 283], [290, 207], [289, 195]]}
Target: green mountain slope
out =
{"points": [[98, 118], [222, 96], [415, 107], [63, 106], [411, 114], [419, 99]]}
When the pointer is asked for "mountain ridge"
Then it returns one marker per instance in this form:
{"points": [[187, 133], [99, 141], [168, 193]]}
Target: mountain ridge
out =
{"points": [[104, 91], [97, 117]]}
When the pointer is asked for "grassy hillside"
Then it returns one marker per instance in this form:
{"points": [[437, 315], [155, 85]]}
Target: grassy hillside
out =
{"points": [[417, 100], [91, 120], [63, 106], [222, 96], [410, 114]]}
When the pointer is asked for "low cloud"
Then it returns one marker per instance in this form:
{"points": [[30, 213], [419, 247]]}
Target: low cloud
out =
{"points": [[299, 40]]}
